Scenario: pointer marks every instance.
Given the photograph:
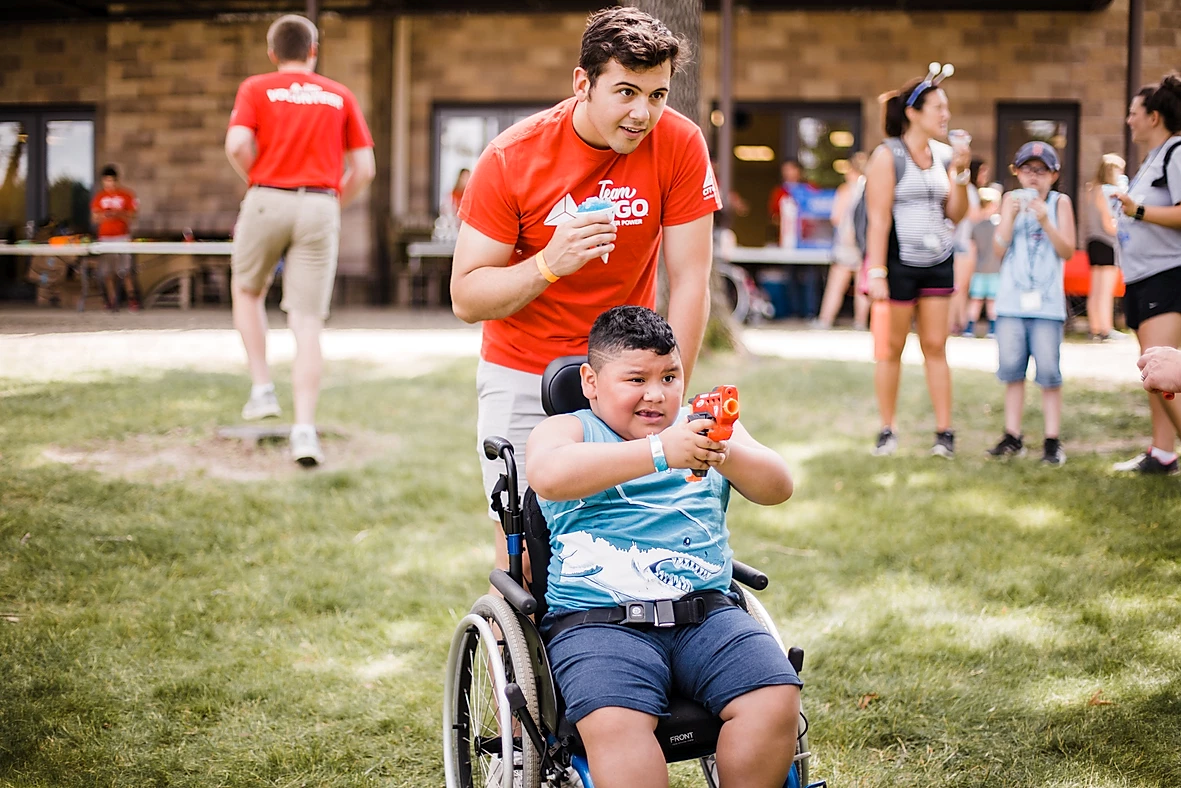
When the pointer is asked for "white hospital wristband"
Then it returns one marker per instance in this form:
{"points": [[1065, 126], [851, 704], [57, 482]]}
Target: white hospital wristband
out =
{"points": [[658, 460]]}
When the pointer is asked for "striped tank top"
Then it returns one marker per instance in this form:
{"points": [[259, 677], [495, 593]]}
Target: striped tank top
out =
{"points": [[925, 236]]}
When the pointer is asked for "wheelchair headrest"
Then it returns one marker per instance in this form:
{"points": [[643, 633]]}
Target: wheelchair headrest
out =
{"points": [[561, 386]]}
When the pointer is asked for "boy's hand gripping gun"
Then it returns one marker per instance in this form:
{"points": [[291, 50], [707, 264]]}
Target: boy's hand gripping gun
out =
{"points": [[721, 405]]}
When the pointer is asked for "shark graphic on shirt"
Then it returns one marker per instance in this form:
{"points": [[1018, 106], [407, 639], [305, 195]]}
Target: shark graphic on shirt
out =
{"points": [[635, 573]]}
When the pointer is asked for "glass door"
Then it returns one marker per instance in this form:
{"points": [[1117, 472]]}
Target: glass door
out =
{"points": [[14, 178], [69, 173], [1056, 124]]}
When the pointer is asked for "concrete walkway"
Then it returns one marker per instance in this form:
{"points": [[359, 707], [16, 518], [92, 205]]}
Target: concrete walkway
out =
{"points": [[55, 345]]}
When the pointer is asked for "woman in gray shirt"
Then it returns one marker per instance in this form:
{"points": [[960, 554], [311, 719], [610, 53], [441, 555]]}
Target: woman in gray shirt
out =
{"points": [[1150, 254]]}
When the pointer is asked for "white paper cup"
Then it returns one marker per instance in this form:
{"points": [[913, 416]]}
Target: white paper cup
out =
{"points": [[601, 215]]}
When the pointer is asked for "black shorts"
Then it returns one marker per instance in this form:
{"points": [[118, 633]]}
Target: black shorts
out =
{"points": [[1159, 294], [1101, 253], [909, 283]]}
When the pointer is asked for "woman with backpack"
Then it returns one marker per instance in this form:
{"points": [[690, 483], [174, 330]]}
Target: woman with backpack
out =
{"points": [[1149, 235], [846, 253], [916, 190]]}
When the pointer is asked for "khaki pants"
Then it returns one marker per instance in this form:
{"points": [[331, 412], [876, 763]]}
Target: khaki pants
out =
{"points": [[509, 406], [302, 228]]}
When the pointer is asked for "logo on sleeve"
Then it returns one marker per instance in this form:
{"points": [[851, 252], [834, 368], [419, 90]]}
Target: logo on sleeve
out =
{"points": [[709, 189]]}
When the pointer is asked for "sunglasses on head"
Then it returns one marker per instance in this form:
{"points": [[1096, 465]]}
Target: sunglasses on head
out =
{"points": [[935, 75]]}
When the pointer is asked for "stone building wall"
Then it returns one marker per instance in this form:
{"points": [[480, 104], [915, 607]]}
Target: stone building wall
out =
{"points": [[163, 91]]}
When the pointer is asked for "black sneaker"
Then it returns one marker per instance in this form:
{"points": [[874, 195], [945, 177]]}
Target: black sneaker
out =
{"points": [[887, 443], [1147, 463], [1052, 453], [944, 445], [1010, 446]]}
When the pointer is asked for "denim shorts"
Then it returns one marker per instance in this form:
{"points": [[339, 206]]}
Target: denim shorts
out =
{"points": [[1018, 338], [983, 286], [722, 658]]}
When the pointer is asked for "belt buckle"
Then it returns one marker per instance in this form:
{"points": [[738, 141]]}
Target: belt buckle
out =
{"points": [[665, 615], [640, 612]]}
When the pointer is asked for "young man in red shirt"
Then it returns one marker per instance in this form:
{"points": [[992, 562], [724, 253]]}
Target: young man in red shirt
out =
{"points": [[301, 143], [112, 211], [538, 274]]}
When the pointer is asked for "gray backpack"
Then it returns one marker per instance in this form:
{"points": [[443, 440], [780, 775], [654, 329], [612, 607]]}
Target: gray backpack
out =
{"points": [[860, 212]]}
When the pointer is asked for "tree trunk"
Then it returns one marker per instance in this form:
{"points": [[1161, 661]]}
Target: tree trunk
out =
{"points": [[683, 17]]}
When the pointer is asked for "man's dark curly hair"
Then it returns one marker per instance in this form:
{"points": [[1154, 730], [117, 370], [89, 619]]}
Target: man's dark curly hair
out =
{"points": [[637, 40], [623, 328]]}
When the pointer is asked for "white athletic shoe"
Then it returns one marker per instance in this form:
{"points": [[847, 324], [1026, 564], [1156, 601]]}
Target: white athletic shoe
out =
{"points": [[305, 447], [264, 406], [496, 773]]}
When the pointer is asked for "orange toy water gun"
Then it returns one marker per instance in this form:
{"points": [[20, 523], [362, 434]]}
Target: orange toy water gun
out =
{"points": [[721, 405]]}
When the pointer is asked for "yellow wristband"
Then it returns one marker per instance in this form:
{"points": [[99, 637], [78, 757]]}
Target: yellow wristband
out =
{"points": [[549, 275]]}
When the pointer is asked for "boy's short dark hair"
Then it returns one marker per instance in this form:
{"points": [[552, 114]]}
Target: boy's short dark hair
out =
{"points": [[291, 38], [624, 328], [110, 171], [637, 40]]}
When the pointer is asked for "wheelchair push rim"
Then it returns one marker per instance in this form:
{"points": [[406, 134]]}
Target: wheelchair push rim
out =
{"points": [[478, 726]]}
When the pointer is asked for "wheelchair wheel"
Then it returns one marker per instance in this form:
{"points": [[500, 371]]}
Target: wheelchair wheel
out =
{"points": [[760, 614], [483, 746]]}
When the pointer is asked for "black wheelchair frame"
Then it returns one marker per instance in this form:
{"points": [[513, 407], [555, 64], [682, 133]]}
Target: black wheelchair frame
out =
{"points": [[524, 714]]}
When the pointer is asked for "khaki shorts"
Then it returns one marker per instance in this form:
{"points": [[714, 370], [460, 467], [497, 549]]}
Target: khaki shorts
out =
{"points": [[303, 228], [509, 406], [110, 265]]}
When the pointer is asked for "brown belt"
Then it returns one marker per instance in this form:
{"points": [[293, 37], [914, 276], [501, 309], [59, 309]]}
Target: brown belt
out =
{"points": [[307, 189]]}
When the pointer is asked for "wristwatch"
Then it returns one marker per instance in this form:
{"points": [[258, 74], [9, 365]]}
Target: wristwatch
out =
{"points": [[1139, 215], [963, 178]]}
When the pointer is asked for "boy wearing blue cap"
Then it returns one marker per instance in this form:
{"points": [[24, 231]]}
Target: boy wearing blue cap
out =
{"points": [[1035, 237]]}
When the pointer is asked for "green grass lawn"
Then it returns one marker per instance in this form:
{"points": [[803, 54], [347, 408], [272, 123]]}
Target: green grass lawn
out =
{"points": [[966, 624]]}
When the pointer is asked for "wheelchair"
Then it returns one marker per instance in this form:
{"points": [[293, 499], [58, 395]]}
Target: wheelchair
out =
{"points": [[503, 720]]}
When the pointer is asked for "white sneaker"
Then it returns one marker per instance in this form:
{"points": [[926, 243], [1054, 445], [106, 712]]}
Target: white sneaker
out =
{"points": [[305, 447], [264, 406], [495, 777]]}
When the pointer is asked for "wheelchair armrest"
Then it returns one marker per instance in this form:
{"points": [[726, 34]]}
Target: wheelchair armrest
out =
{"points": [[521, 600], [749, 576]]}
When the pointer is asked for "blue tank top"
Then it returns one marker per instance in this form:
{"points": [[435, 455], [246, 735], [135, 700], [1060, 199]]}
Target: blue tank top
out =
{"points": [[656, 537], [1031, 265]]}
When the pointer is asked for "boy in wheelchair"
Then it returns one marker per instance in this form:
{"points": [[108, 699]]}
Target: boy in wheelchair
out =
{"points": [[641, 567]]}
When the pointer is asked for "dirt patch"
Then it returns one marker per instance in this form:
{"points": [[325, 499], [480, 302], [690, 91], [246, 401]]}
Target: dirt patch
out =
{"points": [[186, 453]]}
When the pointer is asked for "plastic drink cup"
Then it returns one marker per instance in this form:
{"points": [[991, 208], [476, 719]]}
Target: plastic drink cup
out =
{"points": [[958, 138], [598, 209], [1024, 197]]}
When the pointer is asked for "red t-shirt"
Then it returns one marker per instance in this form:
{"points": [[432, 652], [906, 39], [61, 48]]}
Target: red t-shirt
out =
{"points": [[303, 124], [532, 177], [117, 199]]}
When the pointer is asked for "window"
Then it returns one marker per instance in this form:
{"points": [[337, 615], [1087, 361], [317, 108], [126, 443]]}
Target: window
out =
{"points": [[1053, 123], [46, 178], [460, 134], [46, 170], [821, 136]]}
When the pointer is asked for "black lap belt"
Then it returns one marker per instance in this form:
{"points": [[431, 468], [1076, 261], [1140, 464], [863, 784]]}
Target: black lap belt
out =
{"points": [[306, 189], [686, 611]]}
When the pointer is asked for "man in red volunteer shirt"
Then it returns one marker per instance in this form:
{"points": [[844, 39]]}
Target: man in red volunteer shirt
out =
{"points": [[300, 142], [533, 270], [112, 211]]}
